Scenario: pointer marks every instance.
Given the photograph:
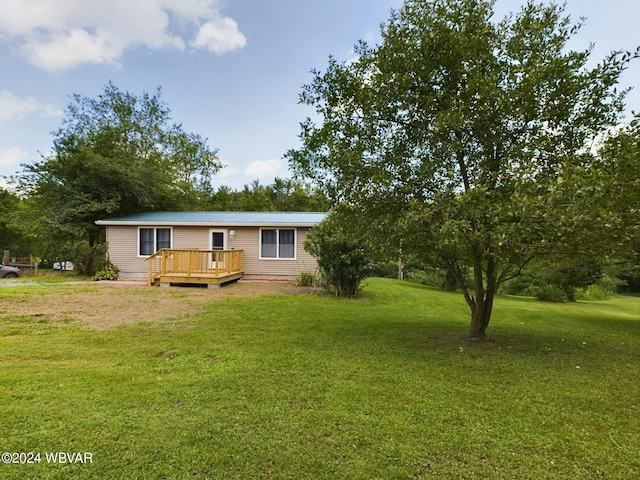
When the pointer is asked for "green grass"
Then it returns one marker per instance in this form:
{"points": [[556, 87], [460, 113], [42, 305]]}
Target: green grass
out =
{"points": [[313, 387]]}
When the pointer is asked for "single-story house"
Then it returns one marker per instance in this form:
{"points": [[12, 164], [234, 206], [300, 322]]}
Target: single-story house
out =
{"points": [[251, 245]]}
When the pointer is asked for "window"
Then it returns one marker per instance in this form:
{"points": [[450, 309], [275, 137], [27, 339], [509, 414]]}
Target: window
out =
{"points": [[286, 247], [277, 243], [217, 240], [153, 239]]}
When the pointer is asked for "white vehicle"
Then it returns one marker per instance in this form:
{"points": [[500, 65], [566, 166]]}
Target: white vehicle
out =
{"points": [[66, 266]]}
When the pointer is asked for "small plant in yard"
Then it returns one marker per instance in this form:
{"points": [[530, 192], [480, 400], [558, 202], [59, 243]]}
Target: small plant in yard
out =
{"points": [[307, 279], [110, 272]]}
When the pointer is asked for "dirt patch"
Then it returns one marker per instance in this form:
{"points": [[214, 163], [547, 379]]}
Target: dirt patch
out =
{"points": [[116, 303]]}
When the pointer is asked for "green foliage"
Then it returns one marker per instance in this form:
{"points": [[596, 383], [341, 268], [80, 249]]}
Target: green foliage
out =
{"points": [[13, 234], [544, 286], [550, 293], [569, 274], [89, 259], [283, 195], [110, 272], [430, 276], [630, 278], [464, 140], [116, 154], [384, 270], [343, 260], [307, 279], [9, 237], [522, 285], [620, 167], [604, 288]]}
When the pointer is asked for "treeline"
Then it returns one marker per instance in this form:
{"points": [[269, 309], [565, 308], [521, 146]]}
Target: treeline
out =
{"points": [[283, 195]]}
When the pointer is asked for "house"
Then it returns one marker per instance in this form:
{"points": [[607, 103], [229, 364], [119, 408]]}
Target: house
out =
{"points": [[210, 247]]}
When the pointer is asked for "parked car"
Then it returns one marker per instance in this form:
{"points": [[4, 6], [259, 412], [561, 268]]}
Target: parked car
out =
{"points": [[9, 272], [66, 266]]}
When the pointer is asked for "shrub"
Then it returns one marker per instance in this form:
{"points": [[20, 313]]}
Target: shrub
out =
{"points": [[385, 270], [307, 279], [605, 288], [110, 272], [550, 293], [343, 261]]}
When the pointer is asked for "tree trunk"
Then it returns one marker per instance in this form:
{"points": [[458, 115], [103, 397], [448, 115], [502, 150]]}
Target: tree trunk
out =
{"points": [[483, 304], [481, 315]]}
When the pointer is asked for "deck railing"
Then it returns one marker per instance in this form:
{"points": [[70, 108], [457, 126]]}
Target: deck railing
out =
{"points": [[193, 262]]}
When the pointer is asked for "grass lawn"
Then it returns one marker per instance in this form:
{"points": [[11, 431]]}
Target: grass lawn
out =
{"points": [[312, 387]]}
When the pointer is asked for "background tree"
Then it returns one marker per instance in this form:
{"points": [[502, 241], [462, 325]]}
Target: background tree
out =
{"points": [[12, 235], [465, 139], [568, 274], [620, 165], [116, 154], [283, 195]]}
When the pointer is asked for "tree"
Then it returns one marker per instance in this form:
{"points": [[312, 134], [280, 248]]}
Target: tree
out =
{"points": [[570, 274], [288, 195], [12, 236], [461, 139], [116, 154], [619, 165], [283, 195]]}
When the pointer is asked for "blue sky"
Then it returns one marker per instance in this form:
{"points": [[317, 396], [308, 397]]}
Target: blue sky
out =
{"points": [[230, 71]]}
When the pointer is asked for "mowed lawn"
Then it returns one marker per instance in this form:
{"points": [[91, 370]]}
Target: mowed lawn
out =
{"points": [[312, 387]]}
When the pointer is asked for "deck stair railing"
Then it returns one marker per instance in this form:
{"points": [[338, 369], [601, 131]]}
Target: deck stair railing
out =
{"points": [[214, 263]]}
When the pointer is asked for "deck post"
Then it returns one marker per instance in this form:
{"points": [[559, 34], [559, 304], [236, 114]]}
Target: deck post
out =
{"points": [[163, 263]]}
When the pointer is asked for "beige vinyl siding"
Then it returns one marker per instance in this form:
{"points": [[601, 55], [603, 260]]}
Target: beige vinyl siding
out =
{"points": [[248, 239], [123, 251], [123, 245], [191, 237]]}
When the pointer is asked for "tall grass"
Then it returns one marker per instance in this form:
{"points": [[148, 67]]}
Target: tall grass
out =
{"points": [[314, 387]]}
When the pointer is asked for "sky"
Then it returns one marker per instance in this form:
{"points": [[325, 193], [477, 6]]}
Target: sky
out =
{"points": [[230, 71]]}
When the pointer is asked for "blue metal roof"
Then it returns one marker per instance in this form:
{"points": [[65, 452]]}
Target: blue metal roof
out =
{"points": [[302, 219]]}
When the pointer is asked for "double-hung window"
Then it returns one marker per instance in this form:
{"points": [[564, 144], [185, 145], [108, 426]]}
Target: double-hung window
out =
{"points": [[278, 243], [150, 240]]}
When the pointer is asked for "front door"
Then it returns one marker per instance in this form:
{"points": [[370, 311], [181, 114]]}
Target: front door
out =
{"points": [[218, 243]]}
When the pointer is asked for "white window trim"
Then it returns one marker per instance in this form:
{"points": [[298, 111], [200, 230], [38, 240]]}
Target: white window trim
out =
{"points": [[295, 244], [155, 238]]}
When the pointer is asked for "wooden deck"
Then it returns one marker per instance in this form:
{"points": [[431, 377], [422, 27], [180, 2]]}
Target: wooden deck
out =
{"points": [[194, 267]]}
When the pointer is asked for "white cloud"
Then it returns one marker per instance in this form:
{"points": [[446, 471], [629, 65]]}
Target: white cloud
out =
{"points": [[237, 176], [12, 158], [220, 36], [57, 36], [265, 168], [15, 107]]}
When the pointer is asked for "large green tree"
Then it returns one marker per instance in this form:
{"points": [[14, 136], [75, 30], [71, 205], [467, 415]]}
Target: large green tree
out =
{"points": [[12, 236], [620, 164], [113, 155], [462, 139]]}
